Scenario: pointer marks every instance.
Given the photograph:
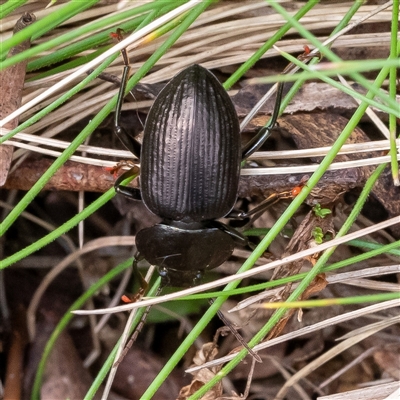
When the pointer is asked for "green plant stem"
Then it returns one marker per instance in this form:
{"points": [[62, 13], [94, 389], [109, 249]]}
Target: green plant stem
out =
{"points": [[297, 292], [90, 43], [300, 81], [363, 244], [344, 66], [368, 298], [279, 34], [378, 249], [94, 40], [184, 23], [325, 51], [266, 46]]}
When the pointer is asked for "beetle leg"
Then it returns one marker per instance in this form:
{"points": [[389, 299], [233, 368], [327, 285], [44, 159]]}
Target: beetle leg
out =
{"points": [[137, 275], [236, 235], [132, 193], [256, 212], [263, 134], [269, 201], [129, 142]]}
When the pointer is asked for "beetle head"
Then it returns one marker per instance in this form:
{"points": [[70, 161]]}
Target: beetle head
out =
{"points": [[179, 278]]}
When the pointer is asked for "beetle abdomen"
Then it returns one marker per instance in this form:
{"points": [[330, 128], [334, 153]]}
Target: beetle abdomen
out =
{"points": [[190, 158]]}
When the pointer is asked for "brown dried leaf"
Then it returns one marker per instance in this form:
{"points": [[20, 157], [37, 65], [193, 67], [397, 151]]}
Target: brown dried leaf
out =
{"points": [[208, 352]]}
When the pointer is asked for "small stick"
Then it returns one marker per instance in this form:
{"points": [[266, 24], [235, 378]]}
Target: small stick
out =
{"points": [[11, 84], [75, 176]]}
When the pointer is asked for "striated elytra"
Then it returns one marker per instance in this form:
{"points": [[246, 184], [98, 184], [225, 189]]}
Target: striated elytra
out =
{"points": [[190, 160]]}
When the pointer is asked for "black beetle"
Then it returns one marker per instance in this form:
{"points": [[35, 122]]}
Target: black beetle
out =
{"points": [[190, 166]]}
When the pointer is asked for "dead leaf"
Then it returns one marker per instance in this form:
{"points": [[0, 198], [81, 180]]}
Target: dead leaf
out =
{"points": [[207, 353]]}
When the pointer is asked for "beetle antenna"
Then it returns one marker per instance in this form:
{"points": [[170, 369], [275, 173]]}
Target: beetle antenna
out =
{"points": [[237, 335]]}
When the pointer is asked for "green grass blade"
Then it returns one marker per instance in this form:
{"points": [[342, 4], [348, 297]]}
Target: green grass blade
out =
{"points": [[46, 24], [10, 6]]}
